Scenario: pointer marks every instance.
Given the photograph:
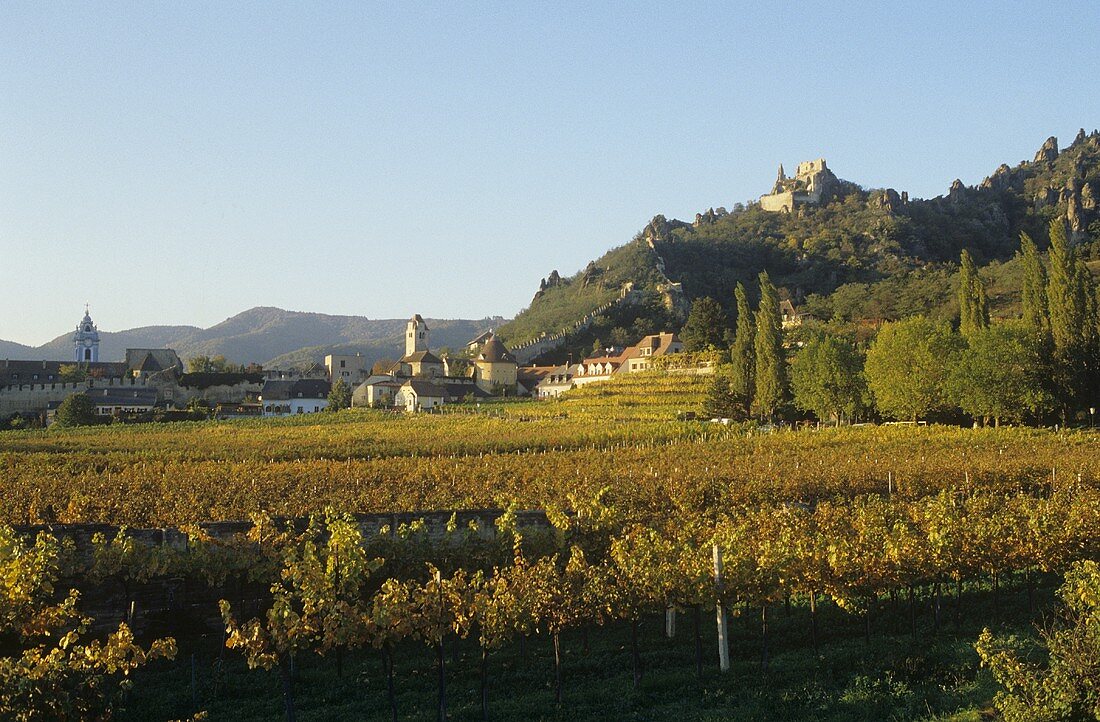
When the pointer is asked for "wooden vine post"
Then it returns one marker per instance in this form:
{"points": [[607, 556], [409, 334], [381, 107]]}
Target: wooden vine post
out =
{"points": [[723, 636]]}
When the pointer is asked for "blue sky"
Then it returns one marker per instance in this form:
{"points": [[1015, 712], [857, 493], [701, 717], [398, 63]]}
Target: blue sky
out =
{"points": [[177, 163]]}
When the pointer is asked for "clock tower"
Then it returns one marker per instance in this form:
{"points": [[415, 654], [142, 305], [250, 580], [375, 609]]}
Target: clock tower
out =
{"points": [[86, 340]]}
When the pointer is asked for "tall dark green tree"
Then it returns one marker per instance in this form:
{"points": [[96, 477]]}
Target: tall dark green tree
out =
{"points": [[1033, 292], [973, 303], [770, 388], [705, 326], [339, 396], [743, 351], [1071, 307], [721, 402]]}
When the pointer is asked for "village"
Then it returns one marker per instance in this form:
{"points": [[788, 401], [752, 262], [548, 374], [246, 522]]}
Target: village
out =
{"points": [[150, 380]]}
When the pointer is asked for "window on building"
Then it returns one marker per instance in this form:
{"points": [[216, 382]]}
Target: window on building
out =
{"points": [[343, 364]]}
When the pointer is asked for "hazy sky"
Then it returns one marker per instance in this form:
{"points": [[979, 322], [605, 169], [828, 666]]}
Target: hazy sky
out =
{"points": [[176, 163]]}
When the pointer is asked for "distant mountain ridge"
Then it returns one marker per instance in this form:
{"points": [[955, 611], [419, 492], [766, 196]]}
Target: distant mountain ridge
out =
{"points": [[268, 336]]}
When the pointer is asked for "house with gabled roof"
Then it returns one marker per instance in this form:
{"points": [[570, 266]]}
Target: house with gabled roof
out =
{"points": [[420, 395], [638, 357]]}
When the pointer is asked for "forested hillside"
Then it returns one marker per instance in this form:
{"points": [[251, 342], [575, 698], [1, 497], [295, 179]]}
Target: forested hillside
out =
{"points": [[865, 254]]}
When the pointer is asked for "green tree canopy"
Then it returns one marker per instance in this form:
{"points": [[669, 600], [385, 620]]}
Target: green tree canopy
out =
{"points": [[743, 350], [1071, 305], [339, 396], [907, 367], [75, 410], [827, 379], [973, 303], [1033, 292], [705, 326], [721, 402], [71, 373], [770, 388], [212, 365], [1000, 374]]}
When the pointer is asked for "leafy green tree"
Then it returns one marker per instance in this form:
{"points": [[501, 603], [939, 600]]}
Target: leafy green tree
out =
{"points": [[339, 396], [1065, 687], [907, 367], [973, 303], [743, 351], [705, 326], [71, 373], [1072, 309], [770, 369], [212, 365], [1000, 374], [75, 410], [1033, 293], [827, 378]]}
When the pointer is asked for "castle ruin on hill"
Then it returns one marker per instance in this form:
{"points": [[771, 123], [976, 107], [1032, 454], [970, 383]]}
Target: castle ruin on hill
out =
{"points": [[812, 183]]}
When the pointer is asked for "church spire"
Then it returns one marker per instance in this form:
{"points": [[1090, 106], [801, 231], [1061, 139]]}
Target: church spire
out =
{"points": [[86, 339]]}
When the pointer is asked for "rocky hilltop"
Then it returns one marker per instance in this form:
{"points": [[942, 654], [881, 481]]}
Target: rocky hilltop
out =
{"points": [[845, 250]]}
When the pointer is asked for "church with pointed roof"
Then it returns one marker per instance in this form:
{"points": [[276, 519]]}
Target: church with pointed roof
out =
{"points": [[86, 339]]}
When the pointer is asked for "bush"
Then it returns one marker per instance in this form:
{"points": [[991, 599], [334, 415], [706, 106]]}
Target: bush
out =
{"points": [[75, 410]]}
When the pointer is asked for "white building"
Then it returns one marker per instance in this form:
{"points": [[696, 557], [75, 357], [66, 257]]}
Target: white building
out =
{"points": [[419, 395], [86, 340], [289, 397]]}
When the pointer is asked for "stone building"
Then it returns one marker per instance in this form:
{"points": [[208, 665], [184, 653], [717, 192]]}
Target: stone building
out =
{"points": [[495, 368], [812, 183], [29, 388], [352, 369]]}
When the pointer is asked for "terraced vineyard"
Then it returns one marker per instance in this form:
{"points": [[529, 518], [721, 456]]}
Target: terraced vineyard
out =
{"points": [[835, 525]]}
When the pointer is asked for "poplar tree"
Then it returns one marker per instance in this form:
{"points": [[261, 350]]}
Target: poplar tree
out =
{"points": [[973, 303], [743, 352], [1071, 308], [1033, 292], [770, 374]]}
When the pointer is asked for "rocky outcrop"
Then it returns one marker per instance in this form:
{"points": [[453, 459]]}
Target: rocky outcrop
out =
{"points": [[592, 274], [890, 200], [1000, 180], [955, 193], [1046, 197], [1048, 153], [660, 229], [708, 218], [1088, 197], [552, 281]]}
